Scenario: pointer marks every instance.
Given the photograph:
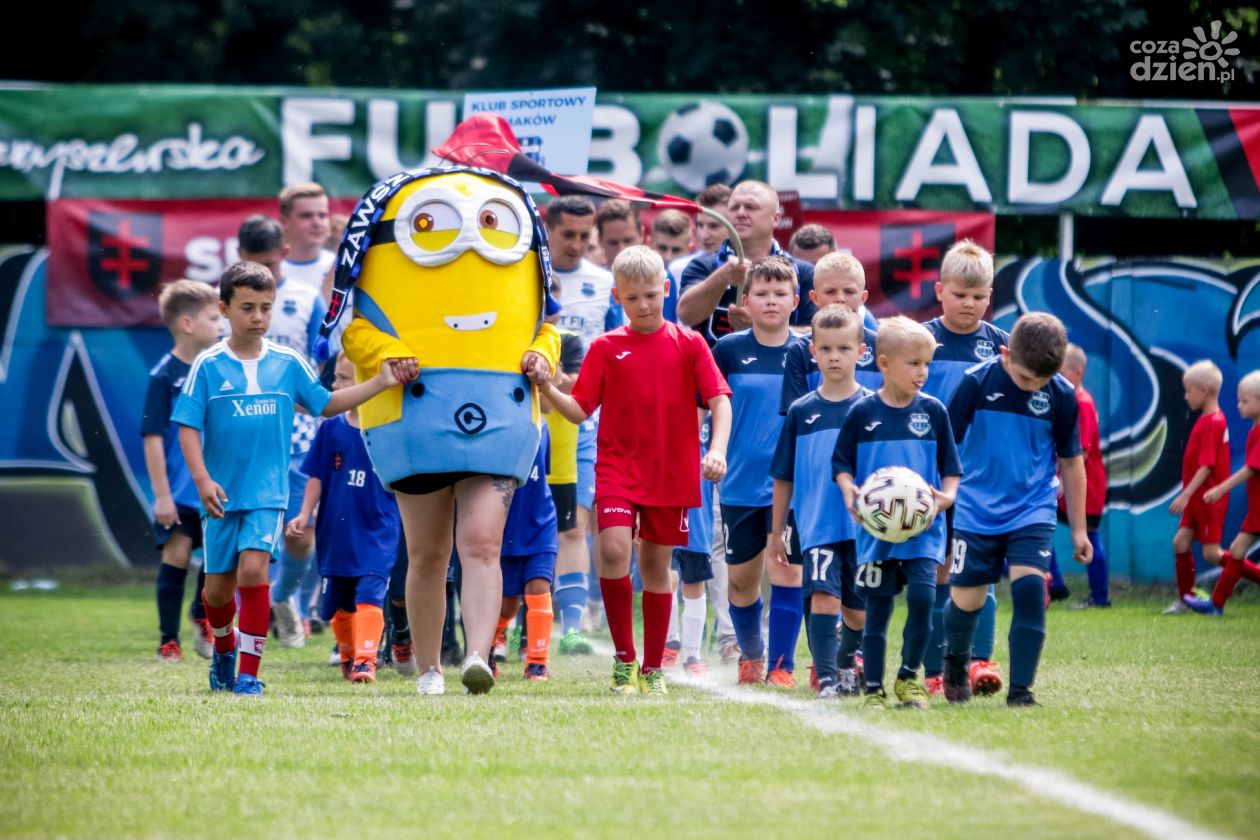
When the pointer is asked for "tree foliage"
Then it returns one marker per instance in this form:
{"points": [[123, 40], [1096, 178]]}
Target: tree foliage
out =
{"points": [[979, 47]]}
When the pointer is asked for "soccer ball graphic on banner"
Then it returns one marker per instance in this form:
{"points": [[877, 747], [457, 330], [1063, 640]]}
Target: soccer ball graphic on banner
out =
{"points": [[895, 504], [701, 144]]}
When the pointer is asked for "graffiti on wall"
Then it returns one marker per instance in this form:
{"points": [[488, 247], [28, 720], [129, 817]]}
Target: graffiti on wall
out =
{"points": [[74, 490], [1142, 322]]}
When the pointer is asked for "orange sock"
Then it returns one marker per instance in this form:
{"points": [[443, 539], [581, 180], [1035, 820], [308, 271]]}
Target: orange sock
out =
{"points": [[369, 623], [538, 618], [343, 632]]}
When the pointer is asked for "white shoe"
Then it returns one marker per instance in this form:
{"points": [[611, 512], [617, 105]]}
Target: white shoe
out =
{"points": [[476, 675], [1176, 608], [405, 660], [334, 658], [203, 641], [431, 682], [288, 624]]}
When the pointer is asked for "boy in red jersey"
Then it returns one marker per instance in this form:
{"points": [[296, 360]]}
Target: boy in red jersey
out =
{"points": [[1205, 464], [1074, 362], [646, 376], [1234, 563]]}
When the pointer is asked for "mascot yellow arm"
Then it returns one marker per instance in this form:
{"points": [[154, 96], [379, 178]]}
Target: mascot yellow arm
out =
{"points": [[547, 345], [368, 348]]}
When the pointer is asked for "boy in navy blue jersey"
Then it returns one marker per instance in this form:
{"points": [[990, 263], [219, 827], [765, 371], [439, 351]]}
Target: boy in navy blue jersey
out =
{"points": [[838, 278], [357, 535], [752, 362], [528, 561], [963, 339], [190, 311], [899, 426], [806, 443], [236, 418], [1007, 501]]}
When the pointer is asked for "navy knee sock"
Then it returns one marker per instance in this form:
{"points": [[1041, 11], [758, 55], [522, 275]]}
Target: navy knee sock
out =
{"points": [[825, 644], [1028, 629], [398, 620], [747, 621], [879, 609], [850, 642], [936, 642], [960, 631], [1098, 572], [920, 599], [786, 607], [986, 629], [170, 598]]}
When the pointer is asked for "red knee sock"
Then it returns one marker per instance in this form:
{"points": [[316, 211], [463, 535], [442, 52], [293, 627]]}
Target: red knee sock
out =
{"points": [[221, 619], [656, 609], [255, 616], [619, 606], [1185, 573], [1233, 568]]}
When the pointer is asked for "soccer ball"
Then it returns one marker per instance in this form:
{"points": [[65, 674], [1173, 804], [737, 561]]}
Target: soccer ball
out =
{"points": [[895, 504], [701, 144]]}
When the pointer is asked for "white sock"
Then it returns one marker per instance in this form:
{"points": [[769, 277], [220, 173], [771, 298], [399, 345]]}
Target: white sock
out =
{"points": [[673, 620], [695, 611]]}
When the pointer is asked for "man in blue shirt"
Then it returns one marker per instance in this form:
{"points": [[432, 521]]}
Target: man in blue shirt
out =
{"points": [[1006, 504]]}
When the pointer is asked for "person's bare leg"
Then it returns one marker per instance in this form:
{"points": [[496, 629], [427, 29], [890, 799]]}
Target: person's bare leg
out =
{"points": [[427, 522], [482, 503]]}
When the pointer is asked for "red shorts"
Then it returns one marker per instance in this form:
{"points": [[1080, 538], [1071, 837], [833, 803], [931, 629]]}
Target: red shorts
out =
{"points": [[1251, 522], [1206, 521], [660, 525]]}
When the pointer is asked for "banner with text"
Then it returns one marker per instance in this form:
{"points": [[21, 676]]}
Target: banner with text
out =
{"points": [[1146, 159]]}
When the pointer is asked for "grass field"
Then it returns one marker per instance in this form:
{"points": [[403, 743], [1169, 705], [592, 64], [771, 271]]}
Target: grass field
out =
{"points": [[100, 740]]}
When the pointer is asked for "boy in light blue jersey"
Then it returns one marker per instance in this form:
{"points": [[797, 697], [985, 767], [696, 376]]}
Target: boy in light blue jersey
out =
{"points": [[1006, 504], [693, 567], [899, 426], [810, 431], [295, 321], [236, 417], [838, 278], [963, 339], [752, 362]]}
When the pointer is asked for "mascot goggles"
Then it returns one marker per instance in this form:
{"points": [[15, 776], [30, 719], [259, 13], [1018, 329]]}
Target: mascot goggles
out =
{"points": [[437, 224]]}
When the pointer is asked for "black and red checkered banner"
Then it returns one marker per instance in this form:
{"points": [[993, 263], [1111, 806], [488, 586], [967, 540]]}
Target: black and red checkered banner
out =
{"points": [[901, 251]]}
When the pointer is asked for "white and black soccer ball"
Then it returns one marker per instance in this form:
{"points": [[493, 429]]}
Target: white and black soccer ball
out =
{"points": [[895, 504], [703, 143]]}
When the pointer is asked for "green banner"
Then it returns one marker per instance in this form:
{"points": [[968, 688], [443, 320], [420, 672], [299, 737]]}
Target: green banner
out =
{"points": [[1149, 159]]}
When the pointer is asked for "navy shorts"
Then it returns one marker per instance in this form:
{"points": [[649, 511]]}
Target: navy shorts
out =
{"points": [[832, 569], [746, 530], [346, 593], [978, 559], [521, 569], [189, 524], [692, 566], [565, 497], [889, 577]]}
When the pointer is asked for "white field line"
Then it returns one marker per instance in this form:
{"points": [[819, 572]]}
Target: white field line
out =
{"points": [[924, 748]]}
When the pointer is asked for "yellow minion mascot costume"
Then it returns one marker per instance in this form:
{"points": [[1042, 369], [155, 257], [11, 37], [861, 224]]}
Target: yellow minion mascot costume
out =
{"points": [[450, 266]]}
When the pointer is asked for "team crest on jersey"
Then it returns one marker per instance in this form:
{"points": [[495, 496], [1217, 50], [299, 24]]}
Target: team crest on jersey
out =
{"points": [[920, 424], [868, 355], [338, 461], [588, 289], [1039, 403], [289, 306], [983, 349]]}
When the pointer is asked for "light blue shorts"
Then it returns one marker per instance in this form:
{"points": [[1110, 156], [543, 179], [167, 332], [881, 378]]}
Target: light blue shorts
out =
{"points": [[224, 539]]}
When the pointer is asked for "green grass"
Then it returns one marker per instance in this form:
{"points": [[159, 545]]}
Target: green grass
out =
{"points": [[100, 740]]}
